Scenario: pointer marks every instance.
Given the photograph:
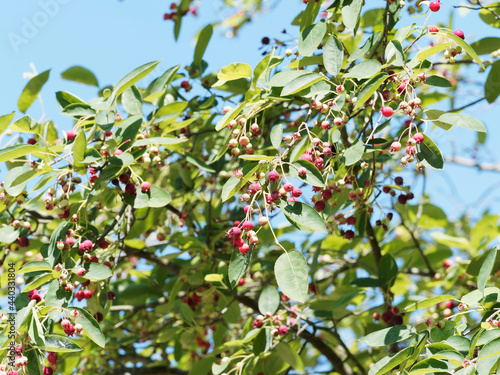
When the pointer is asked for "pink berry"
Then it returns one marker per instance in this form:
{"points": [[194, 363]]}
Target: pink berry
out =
{"points": [[273, 176], [238, 173], [253, 188], [52, 357], [86, 246], [325, 125], [387, 111], [395, 146], [435, 6], [447, 263], [70, 134], [146, 187], [118, 152], [81, 272], [302, 172], [288, 187], [282, 330], [459, 33], [87, 293], [244, 249], [65, 323], [247, 226], [296, 192], [419, 138], [376, 316], [234, 232]]}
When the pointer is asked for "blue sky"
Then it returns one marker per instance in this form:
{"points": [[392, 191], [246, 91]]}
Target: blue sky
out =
{"points": [[113, 37]]}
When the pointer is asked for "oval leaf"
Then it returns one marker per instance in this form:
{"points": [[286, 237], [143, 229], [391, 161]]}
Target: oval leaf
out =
{"points": [[291, 274], [269, 300]]}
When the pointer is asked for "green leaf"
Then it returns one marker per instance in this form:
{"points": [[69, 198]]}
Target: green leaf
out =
{"points": [[492, 85], [388, 270], [238, 266], [291, 274], [81, 75], [311, 37], [235, 71], [201, 45], [333, 55], [350, 13], [290, 356], [214, 278], [386, 364], [365, 69], [16, 151], [90, 326], [57, 296], [12, 184], [488, 16], [161, 141], [425, 53], [467, 48], [229, 116], [433, 115], [34, 266], [60, 344], [234, 184], [78, 110], [437, 81], [158, 197], [486, 45], [264, 66], [313, 176], [164, 80], [25, 124], [488, 357], [366, 282], [96, 272], [132, 101], [303, 215], [277, 136], [8, 234], [389, 336], [269, 300], [129, 80], [5, 121], [395, 50], [281, 79], [198, 163], [31, 91], [428, 151], [58, 234], [370, 87], [301, 83], [79, 147], [486, 269], [354, 153], [37, 282], [35, 330], [463, 121], [428, 302]]}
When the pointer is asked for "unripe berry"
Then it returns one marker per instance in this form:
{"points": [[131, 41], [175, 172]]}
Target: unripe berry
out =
{"points": [[288, 187], [247, 226], [244, 249], [419, 138], [263, 221], [296, 192], [244, 141], [146, 187], [238, 173]]}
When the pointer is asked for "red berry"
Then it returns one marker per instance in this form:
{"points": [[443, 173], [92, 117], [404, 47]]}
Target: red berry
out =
{"points": [[234, 232], [146, 187], [111, 295], [52, 357], [257, 323], [247, 226], [433, 29], [402, 199], [351, 220], [273, 176], [32, 141], [124, 178], [450, 304], [296, 192], [459, 33], [319, 206], [282, 330], [70, 134], [376, 316], [394, 310], [80, 295], [399, 181], [48, 371], [397, 320], [87, 293], [386, 317], [387, 111], [349, 235], [130, 189], [288, 187], [244, 249], [435, 6], [447, 263]]}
